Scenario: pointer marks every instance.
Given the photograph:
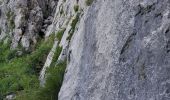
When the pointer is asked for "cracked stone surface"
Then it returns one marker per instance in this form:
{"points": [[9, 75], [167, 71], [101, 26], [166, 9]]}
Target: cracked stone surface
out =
{"points": [[121, 51], [22, 20]]}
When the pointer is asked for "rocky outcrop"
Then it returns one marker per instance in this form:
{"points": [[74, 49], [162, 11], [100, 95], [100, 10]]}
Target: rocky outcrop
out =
{"points": [[24, 21], [64, 17], [120, 52], [115, 49]]}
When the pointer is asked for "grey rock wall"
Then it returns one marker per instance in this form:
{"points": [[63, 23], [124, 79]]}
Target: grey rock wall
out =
{"points": [[120, 52], [120, 49], [24, 21]]}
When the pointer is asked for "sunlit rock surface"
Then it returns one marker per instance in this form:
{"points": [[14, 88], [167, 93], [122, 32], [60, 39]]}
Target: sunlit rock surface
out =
{"points": [[121, 51]]}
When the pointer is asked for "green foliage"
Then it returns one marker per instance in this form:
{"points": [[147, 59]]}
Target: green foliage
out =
{"points": [[20, 74], [89, 2], [56, 55], [73, 26], [4, 51], [11, 55], [74, 22], [53, 82], [10, 19], [76, 8], [60, 33]]}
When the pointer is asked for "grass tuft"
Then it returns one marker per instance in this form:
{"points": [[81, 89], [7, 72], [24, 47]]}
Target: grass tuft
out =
{"points": [[73, 26], [60, 33]]}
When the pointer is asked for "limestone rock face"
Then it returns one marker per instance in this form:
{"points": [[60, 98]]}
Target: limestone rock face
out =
{"points": [[121, 51], [22, 20], [115, 49]]}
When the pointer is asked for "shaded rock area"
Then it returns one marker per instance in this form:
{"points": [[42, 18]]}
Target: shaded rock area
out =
{"points": [[120, 52], [24, 21]]}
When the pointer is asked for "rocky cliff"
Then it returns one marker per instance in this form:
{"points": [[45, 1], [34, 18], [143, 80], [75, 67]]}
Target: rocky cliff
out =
{"points": [[115, 49], [24, 21], [120, 52]]}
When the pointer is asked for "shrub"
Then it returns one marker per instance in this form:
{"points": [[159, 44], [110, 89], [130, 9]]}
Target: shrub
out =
{"points": [[76, 8], [89, 2]]}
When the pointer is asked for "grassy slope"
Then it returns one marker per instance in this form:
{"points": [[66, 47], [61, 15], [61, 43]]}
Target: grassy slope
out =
{"points": [[20, 75]]}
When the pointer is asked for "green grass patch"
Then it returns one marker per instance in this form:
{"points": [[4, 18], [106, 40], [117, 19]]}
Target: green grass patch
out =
{"points": [[53, 82], [60, 33], [20, 74], [73, 26]]}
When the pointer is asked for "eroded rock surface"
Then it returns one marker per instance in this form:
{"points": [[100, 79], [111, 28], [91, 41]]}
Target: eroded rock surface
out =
{"points": [[116, 49], [23, 21], [120, 52]]}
